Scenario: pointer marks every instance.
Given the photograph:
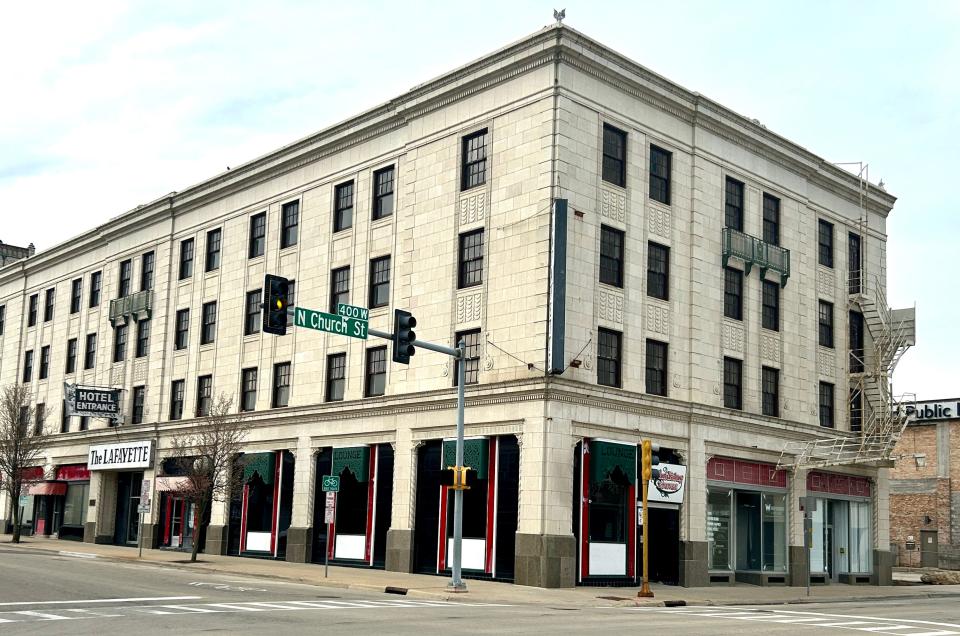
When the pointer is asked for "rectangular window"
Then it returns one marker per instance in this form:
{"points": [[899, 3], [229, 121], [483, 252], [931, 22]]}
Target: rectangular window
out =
{"points": [[825, 243], [656, 371], [826, 324], [181, 335], [336, 376], [854, 255], [660, 175], [732, 383], [733, 208], [281, 385], [290, 220], [733, 293], [771, 391], [84, 422], [658, 271], [251, 319], [143, 338], [96, 281], [339, 288], [376, 380], [856, 410], [48, 301], [28, 366], [608, 357], [771, 219], [470, 268], [382, 193], [204, 395], [64, 418], [76, 293], [90, 352], [139, 393], [208, 332], [614, 156], [71, 365], [248, 390], [119, 343], [39, 414], [611, 256], [124, 278], [380, 282], [3, 317], [186, 259], [343, 206], [32, 310], [857, 353], [214, 238], [474, 160], [826, 405], [176, 400], [147, 265], [258, 235], [771, 306], [44, 362], [472, 369]]}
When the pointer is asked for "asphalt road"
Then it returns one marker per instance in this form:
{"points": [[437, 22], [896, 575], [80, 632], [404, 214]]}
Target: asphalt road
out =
{"points": [[44, 593]]}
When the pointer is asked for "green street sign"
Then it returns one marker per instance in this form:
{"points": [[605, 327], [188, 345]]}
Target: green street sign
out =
{"points": [[25, 500], [329, 323], [352, 311], [331, 483]]}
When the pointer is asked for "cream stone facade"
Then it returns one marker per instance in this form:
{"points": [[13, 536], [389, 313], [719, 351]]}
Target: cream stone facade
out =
{"points": [[544, 102]]}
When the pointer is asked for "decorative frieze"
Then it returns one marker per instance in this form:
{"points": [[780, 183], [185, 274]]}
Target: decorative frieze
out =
{"points": [[659, 221], [140, 371], [732, 336], [658, 318], [826, 363], [613, 205], [116, 375], [468, 307], [770, 347], [473, 208], [826, 282], [610, 305]]}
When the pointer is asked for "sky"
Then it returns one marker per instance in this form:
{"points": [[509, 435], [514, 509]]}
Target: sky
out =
{"points": [[108, 104]]}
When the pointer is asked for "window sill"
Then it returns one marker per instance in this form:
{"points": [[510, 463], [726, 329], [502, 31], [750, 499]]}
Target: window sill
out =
{"points": [[180, 352], [251, 337], [256, 260], [289, 248], [776, 331], [472, 188], [666, 206], [610, 184], [374, 223], [211, 273]]}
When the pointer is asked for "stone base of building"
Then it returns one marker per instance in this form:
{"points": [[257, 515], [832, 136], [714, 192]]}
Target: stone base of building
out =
{"points": [[399, 551], [150, 534], [797, 575], [299, 545], [762, 578], [882, 567], [856, 579], [949, 556], [546, 560], [90, 532], [103, 539], [216, 542], [693, 564]]}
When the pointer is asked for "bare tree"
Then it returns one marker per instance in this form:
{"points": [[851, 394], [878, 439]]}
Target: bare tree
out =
{"points": [[22, 443], [205, 457]]}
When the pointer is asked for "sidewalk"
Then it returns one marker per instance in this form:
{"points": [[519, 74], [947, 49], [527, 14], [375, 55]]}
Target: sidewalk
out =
{"points": [[419, 585]]}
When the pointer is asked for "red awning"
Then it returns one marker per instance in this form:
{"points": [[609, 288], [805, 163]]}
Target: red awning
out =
{"points": [[172, 484], [47, 488]]}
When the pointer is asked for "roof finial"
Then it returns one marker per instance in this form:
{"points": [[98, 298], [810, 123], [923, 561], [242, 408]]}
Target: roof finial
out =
{"points": [[559, 16]]}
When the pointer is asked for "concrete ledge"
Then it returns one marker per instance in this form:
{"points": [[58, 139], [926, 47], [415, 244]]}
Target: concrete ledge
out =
{"points": [[545, 560], [299, 545], [693, 564], [216, 541], [399, 551]]}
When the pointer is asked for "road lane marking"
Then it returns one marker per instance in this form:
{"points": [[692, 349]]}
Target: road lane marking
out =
{"points": [[78, 555], [43, 615], [105, 600]]}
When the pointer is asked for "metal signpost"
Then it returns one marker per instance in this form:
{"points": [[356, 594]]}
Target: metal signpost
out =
{"points": [[808, 505], [144, 507], [331, 486]]}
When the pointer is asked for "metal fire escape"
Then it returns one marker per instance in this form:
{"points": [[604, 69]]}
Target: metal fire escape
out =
{"points": [[877, 416]]}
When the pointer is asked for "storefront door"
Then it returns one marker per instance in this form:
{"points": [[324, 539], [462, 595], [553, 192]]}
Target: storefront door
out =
{"points": [[127, 528]]}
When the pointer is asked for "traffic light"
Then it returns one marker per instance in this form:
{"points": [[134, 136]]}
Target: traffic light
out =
{"points": [[276, 301], [448, 476], [650, 455], [458, 479], [403, 336]]}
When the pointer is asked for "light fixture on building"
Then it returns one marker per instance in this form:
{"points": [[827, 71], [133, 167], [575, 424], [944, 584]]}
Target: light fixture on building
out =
{"points": [[576, 363], [921, 460]]}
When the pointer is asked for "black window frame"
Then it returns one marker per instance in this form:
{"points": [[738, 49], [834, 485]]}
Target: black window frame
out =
{"points": [[855, 341], [379, 281], [125, 278], [3, 318], [473, 157], [96, 285], [661, 161], [28, 366], [336, 383], [733, 204], [139, 399], [470, 259], [827, 405], [733, 293], [44, 371], [187, 251], [733, 383], [70, 364], [257, 236], [656, 365], [825, 243], [49, 300], [148, 264], [609, 357], [658, 282], [32, 310], [612, 246], [119, 343], [339, 287], [825, 324], [143, 339], [208, 322], [90, 352], [252, 312], [770, 391], [177, 395], [248, 389], [343, 195], [289, 224], [770, 305], [213, 249], [282, 381], [204, 395], [771, 219], [181, 329], [383, 199], [375, 372], [471, 338], [613, 167], [39, 414], [76, 296], [64, 418], [856, 410], [854, 263]]}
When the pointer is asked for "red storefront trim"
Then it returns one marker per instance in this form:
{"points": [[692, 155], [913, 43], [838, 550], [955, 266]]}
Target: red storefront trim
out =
{"points": [[371, 496], [243, 519], [276, 502], [169, 523], [491, 509], [33, 473], [442, 541], [836, 484], [73, 472], [632, 536], [745, 472], [584, 508]]}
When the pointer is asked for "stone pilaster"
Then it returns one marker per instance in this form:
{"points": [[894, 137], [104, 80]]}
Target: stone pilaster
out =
{"points": [[300, 534]]}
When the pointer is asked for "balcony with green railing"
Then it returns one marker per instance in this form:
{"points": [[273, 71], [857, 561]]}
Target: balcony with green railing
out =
{"points": [[137, 306], [753, 251]]}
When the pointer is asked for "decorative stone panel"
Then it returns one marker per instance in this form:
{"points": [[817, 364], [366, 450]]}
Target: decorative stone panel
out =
{"points": [[140, 371], [659, 221], [770, 348], [116, 375], [826, 363], [826, 282], [613, 205], [732, 336], [658, 319], [468, 307], [610, 305], [473, 208]]}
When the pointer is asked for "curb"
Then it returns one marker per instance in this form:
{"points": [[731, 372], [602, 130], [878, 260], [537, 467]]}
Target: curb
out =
{"points": [[794, 601]]}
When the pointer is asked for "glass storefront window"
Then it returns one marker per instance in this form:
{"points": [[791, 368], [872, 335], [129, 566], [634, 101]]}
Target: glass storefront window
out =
{"points": [[718, 528], [860, 539], [75, 504], [774, 532], [748, 530], [609, 512], [818, 561]]}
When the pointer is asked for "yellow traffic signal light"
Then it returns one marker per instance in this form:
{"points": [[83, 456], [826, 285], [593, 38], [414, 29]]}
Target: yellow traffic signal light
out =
{"points": [[649, 454]]}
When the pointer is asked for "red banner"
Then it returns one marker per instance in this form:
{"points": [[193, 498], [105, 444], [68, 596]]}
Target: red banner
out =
{"points": [[744, 472], [836, 484], [73, 472]]}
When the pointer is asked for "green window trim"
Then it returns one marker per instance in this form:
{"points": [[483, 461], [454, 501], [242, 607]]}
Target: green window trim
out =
{"points": [[476, 454], [264, 464], [606, 457], [356, 459]]}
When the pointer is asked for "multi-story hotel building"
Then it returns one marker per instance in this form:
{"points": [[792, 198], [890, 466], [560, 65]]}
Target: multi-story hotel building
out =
{"points": [[624, 258]]}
